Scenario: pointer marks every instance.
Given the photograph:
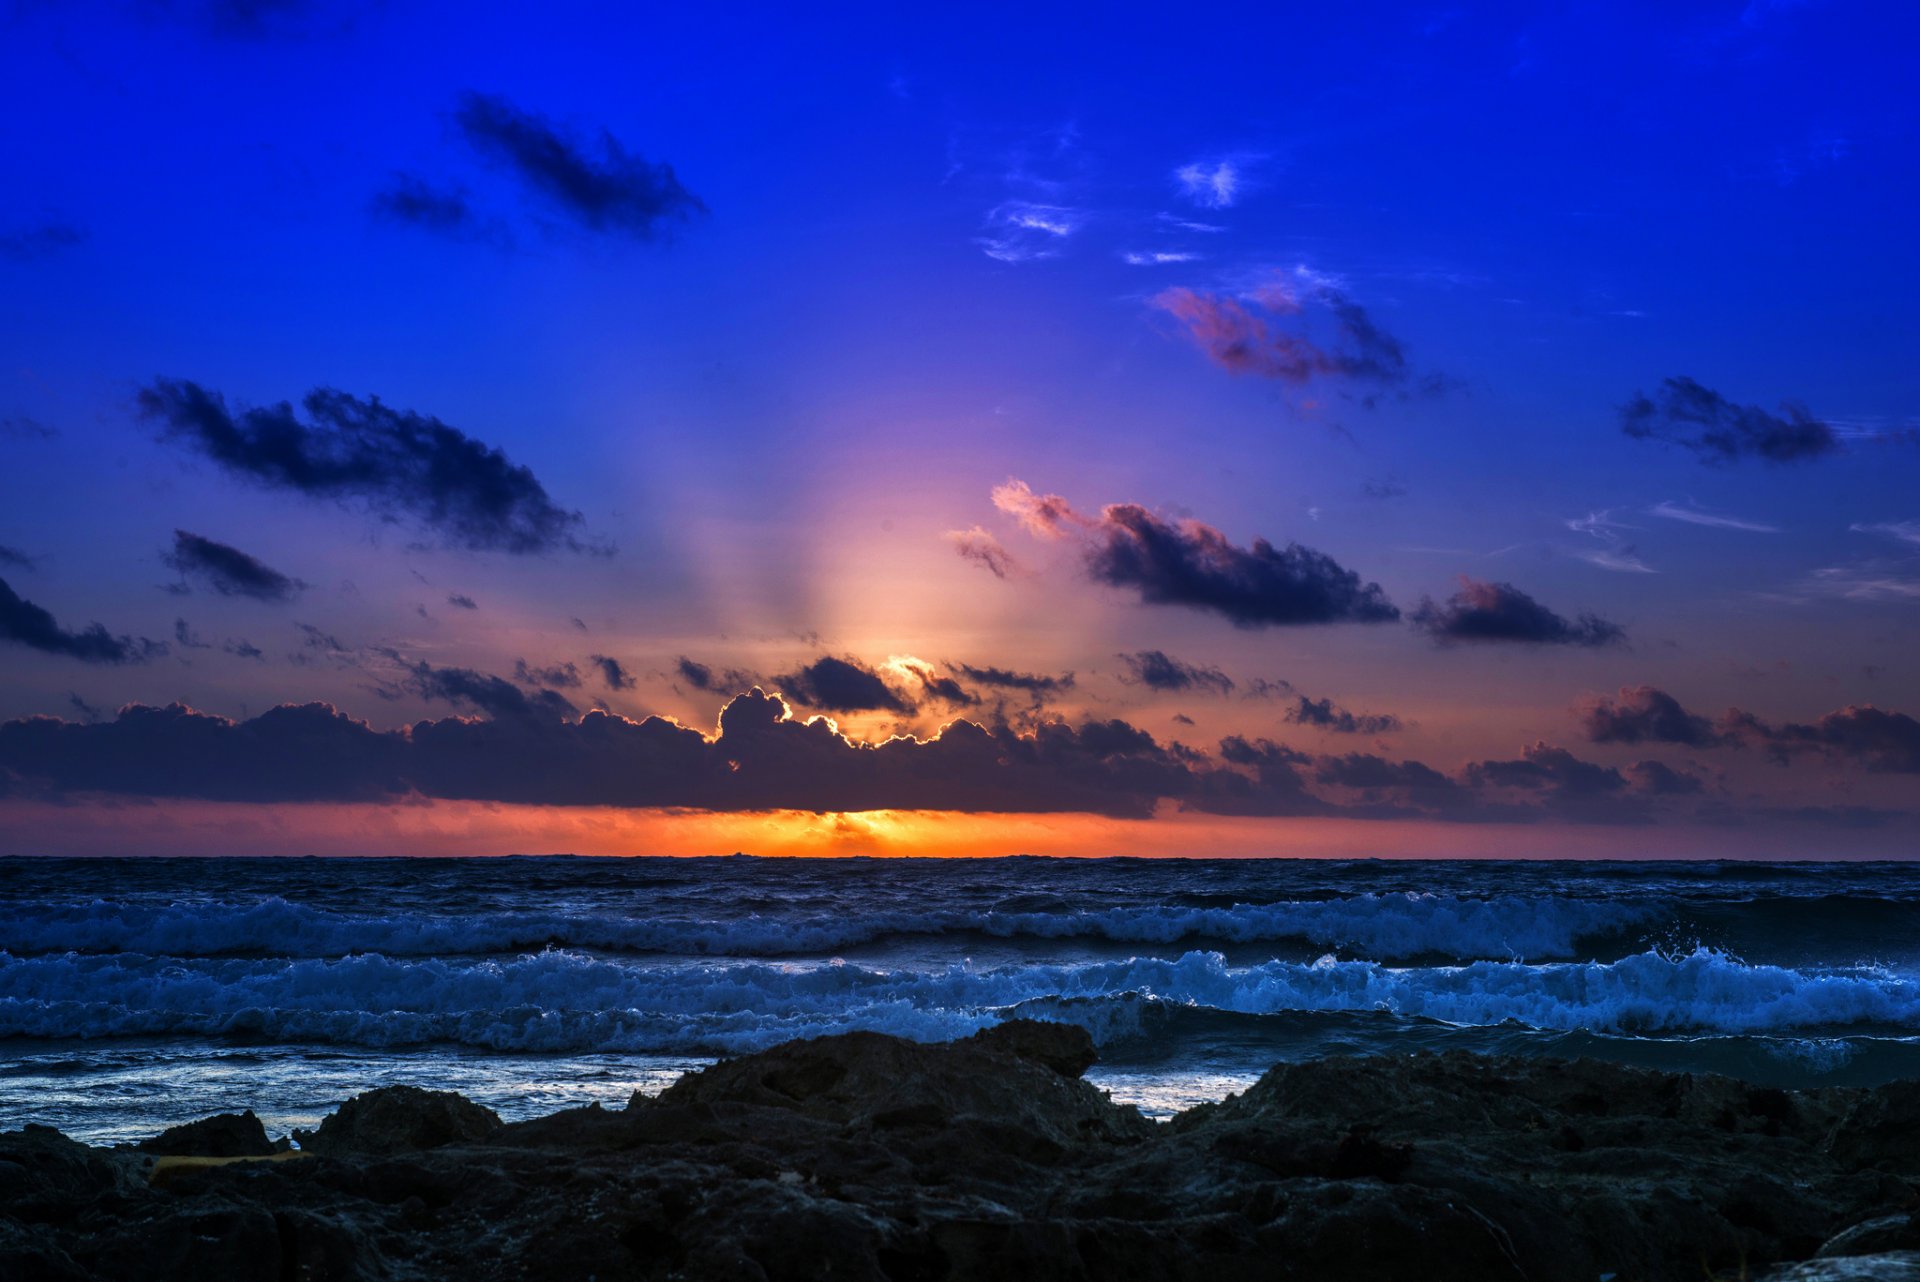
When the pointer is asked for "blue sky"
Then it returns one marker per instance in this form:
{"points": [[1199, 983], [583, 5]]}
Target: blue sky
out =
{"points": [[904, 258]]}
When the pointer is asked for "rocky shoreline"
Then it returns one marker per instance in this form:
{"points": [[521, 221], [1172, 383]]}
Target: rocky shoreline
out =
{"points": [[868, 1157]]}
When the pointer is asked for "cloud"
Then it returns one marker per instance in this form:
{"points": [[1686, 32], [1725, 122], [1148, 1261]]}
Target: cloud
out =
{"points": [[22, 428], [1717, 430], [762, 759], [462, 600], [1501, 612], [1210, 184], [396, 462], [614, 193], [1616, 553], [1543, 767], [15, 557], [1193, 565], [1900, 531], [613, 672], [1038, 685], [494, 696], [1158, 670], [562, 676], [1643, 714], [28, 243], [1047, 516], [243, 649], [981, 548], [1243, 334], [24, 623], [1884, 741], [1022, 231], [187, 638], [1658, 779], [1673, 511], [1157, 258], [1867, 581], [841, 685], [1324, 714], [228, 570], [413, 200], [702, 676]]}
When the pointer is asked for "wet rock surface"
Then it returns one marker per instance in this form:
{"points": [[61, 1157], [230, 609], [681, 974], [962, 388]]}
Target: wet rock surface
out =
{"points": [[867, 1157]]}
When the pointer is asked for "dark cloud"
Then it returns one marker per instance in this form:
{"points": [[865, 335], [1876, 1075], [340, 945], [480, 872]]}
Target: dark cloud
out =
{"points": [[762, 759], [1501, 612], [981, 548], [412, 200], [1883, 741], [22, 428], [1643, 714], [24, 623], [1194, 565], [187, 638], [396, 462], [243, 649], [1369, 773], [28, 243], [1249, 334], [1543, 767], [228, 570], [462, 600], [936, 688], [1661, 780], [531, 750], [14, 556], [496, 697], [704, 676], [1158, 670], [613, 672], [1323, 714], [86, 711], [614, 192], [1697, 418], [564, 676], [1035, 684], [841, 685]]}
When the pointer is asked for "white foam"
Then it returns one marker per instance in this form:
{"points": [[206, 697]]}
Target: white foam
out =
{"points": [[556, 1000]]}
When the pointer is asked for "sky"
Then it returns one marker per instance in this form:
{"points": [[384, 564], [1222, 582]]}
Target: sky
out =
{"points": [[1296, 430]]}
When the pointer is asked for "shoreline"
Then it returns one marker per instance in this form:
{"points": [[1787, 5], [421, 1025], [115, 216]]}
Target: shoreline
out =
{"points": [[867, 1156]]}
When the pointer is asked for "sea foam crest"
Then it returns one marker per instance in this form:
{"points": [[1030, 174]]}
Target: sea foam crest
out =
{"points": [[557, 1001], [1384, 927]]}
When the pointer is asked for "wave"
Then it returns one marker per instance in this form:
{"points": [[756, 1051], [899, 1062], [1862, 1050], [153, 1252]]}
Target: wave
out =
{"points": [[1384, 927], [565, 1001]]}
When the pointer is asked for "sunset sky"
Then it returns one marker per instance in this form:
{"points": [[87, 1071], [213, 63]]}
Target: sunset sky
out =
{"points": [[1264, 430]]}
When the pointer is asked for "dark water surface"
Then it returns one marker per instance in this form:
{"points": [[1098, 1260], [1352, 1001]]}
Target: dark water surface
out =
{"points": [[138, 993]]}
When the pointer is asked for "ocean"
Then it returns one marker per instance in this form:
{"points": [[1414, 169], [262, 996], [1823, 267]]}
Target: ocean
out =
{"points": [[140, 993]]}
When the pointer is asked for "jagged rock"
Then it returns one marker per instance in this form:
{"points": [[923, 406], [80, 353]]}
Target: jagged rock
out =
{"points": [[225, 1135], [1067, 1049], [1887, 1233], [1892, 1266], [400, 1119], [868, 1157]]}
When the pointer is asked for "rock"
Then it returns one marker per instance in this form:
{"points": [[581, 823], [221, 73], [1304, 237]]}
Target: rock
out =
{"points": [[1067, 1049], [1891, 1266], [1882, 1129], [868, 1157], [226, 1135], [1887, 1233], [400, 1119]]}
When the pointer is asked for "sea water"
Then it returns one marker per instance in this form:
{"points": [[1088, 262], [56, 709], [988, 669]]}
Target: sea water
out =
{"points": [[139, 993]]}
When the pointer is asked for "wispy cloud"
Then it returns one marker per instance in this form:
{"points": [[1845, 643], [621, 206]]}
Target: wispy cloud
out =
{"points": [[1210, 184], [1157, 258], [1616, 553], [1867, 581], [1902, 531], [1675, 511], [1020, 231]]}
